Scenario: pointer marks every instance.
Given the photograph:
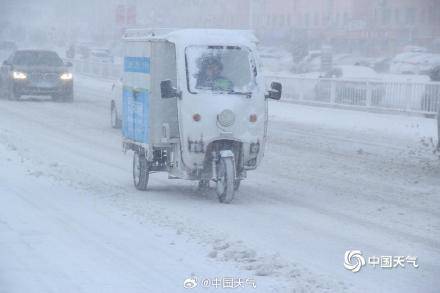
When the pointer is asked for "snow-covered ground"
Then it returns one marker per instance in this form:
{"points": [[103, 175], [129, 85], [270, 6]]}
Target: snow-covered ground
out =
{"points": [[331, 180]]}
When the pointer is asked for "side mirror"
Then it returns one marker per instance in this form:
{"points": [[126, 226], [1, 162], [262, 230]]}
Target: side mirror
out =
{"points": [[167, 90], [68, 64], [275, 91]]}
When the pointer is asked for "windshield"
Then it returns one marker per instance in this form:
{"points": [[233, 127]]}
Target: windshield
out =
{"points": [[228, 69], [30, 58]]}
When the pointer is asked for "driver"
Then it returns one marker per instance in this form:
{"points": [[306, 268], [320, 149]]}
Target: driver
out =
{"points": [[210, 76]]}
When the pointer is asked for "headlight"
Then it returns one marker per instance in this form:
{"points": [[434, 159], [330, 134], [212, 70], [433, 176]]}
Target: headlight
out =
{"points": [[18, 75], [226, 118], [66, 76]]}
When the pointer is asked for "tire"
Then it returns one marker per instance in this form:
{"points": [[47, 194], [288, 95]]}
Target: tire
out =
{"points": [[225, 181], [3, 93], [115, 122], [68, 98], [12, 96], [141, 171]]}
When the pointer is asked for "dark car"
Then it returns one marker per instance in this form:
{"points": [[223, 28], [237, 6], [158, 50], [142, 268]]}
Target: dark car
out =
{"points": [[36, 72]]}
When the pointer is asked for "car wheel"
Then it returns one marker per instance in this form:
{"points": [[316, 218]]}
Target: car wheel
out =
{"points": [[68, 98], [56, 98], [12, 96], [2, 90], [3, 93]]}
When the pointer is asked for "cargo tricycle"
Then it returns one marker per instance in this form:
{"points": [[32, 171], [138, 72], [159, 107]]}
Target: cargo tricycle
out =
{"points": [[194, 104]]}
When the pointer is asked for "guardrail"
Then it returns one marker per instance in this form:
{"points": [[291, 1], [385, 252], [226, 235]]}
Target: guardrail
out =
{"points": [[98, 69], [403, 96], [406, 96]]}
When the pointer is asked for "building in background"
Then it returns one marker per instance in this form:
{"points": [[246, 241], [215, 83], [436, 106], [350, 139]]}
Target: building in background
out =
{"points": [[369, 27], [364, 26]]}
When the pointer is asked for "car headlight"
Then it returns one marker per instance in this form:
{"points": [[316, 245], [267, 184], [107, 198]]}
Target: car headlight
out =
{"points": [[18, 75], [66, 76]]}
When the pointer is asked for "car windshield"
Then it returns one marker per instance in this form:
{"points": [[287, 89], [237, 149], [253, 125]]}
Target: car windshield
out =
{"points": [[32, 58], [229, 69]]}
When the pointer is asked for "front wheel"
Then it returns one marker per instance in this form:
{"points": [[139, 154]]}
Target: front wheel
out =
{"points": [[141, 171], [68, 98], [12, 96], [226, 180]]}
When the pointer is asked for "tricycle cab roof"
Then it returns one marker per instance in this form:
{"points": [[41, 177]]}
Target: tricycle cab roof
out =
{"points": [[193, 37]]}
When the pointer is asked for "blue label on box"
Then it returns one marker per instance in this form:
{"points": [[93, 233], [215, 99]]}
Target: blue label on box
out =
{"points": [[137, 64]]}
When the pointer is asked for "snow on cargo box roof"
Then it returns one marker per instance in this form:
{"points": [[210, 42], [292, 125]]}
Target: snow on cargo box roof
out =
{"points": [[187, 37]]}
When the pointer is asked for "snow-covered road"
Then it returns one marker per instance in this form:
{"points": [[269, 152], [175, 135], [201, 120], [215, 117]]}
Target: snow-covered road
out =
{"points": [[331, 180]]}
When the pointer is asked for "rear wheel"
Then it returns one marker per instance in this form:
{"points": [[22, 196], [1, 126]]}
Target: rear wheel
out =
{"points": [[141, 171], [226, 180]]}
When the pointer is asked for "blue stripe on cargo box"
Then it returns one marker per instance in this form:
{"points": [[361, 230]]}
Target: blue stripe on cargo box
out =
{"points": [[135, 105], [137, 64]]}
